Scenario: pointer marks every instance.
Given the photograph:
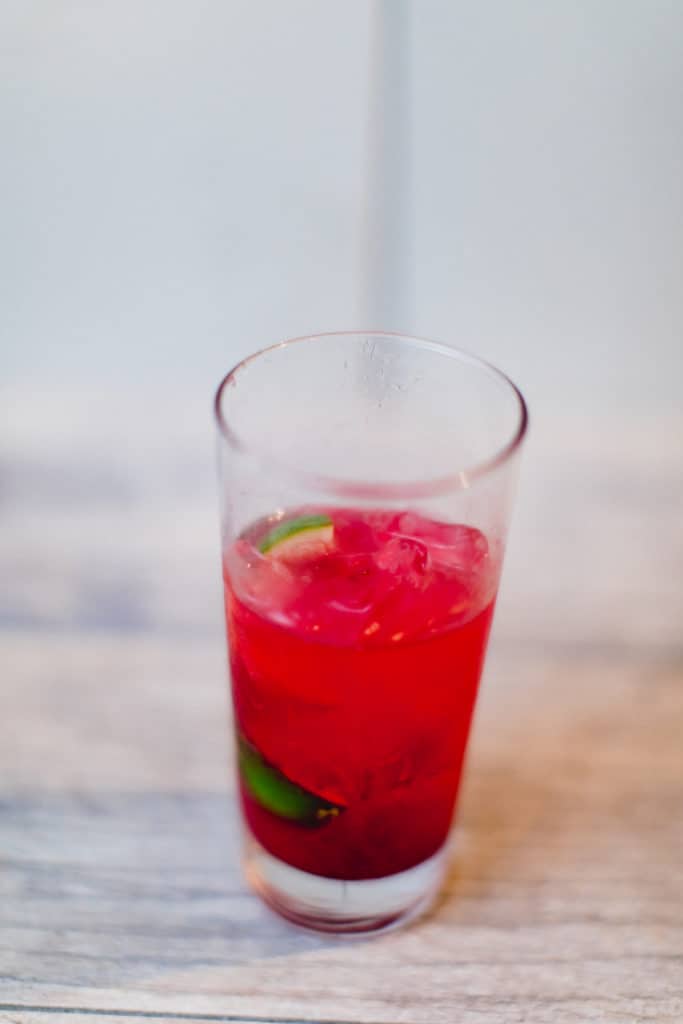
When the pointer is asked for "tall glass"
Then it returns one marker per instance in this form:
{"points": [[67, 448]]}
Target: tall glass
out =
{"points": [[366, 483]]}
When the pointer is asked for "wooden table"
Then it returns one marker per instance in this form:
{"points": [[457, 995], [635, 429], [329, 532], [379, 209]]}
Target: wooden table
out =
{"points": [[120, 889]]}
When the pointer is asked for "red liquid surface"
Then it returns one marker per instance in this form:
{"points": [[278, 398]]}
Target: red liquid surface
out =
{"points": [[355, 670]]}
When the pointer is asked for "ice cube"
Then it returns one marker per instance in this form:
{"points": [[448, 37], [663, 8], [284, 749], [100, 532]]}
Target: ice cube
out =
{"points": [[404, 557], [353, 535], [451, 545], [336, 598], [263, 583]]}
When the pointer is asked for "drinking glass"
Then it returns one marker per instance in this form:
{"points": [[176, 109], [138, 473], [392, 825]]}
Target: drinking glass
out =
{"points": [[366, 481]]}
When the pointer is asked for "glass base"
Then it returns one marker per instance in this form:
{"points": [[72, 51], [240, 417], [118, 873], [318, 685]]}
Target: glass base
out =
{"points": [[333, 905]]}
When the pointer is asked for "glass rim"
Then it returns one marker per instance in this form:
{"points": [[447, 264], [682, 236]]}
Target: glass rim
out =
{"points": [[458, 480]]}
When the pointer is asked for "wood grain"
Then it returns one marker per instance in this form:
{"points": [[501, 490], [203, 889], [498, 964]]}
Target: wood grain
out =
{"points": [[38, 1015], [565, 893], [120, 886]]}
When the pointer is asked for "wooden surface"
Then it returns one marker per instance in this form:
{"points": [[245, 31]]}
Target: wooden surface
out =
{"points": [[120, 891]]}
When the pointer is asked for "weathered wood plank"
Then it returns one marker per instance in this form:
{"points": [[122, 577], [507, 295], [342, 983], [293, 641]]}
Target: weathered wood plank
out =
{"points": [[564, 904], [18, 1015], [120, 887]]}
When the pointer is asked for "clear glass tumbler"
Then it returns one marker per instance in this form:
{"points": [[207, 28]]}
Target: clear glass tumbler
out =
{"points": [[366, 482]]}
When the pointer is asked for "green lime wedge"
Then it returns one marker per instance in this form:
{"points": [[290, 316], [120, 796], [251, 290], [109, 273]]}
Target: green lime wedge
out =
{"points": [[278, 794], [293, 535]]}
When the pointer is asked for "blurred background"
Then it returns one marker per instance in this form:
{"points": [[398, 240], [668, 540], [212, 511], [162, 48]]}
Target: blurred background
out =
{"points": [[182, 183]]}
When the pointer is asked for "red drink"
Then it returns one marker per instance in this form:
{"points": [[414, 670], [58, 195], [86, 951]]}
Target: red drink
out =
{"points": [[356, 643], [357, 636]]}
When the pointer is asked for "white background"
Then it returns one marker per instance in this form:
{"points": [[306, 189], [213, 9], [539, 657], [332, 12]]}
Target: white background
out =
{"points": [[183, 182]]}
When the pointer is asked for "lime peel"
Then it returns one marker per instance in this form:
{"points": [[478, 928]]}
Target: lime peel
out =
{"points": [[270, 788], [293, 534]]}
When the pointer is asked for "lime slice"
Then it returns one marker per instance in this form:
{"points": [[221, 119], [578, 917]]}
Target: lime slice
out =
{"points": [[293, 538], [278, 794]]}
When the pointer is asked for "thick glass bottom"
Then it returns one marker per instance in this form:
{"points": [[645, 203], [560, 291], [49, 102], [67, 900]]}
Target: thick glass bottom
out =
{"points": [[333, 905]]}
